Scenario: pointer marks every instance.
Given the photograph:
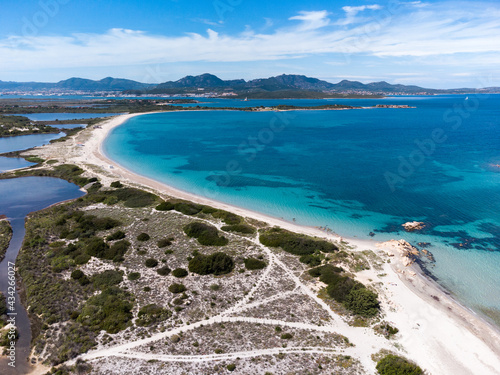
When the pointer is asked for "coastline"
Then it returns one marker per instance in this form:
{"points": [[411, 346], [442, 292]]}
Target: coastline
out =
{"points": [[443, 335]]}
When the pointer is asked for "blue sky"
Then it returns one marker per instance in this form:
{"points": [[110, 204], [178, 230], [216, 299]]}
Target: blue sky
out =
{"points": [[441, 44]]}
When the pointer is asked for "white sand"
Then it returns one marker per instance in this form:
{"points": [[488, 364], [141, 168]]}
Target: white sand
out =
{"points": [[442, 336]]}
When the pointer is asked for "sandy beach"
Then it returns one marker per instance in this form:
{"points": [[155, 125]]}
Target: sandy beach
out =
{"points": [[438, 333]]}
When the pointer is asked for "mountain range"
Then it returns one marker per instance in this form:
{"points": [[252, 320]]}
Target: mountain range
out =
{"points": [[280, 86]]}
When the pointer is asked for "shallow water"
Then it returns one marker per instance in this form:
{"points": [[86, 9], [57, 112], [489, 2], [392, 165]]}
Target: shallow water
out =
{"points": [[23, 142], [355, 171]]}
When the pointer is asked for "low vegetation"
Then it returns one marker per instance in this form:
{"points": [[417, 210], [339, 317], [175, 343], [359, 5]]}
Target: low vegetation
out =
{"points": [[351, 293], [206, 234], [5, 237], [240, 228], [21, 125], [180, 272], [395, 365], [217, 264], [177, 288], [152, 314], [109, 311], [254, 264], [294, 243]]}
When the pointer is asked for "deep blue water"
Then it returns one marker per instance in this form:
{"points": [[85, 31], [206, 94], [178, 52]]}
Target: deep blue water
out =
{"points": [[356, 171]]}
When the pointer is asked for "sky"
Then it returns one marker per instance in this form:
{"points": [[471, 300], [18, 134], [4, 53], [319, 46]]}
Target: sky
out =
{"points": [[435, 44]]}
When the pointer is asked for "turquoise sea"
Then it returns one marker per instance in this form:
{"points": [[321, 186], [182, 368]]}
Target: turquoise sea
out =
{"points": [[355, 171]]}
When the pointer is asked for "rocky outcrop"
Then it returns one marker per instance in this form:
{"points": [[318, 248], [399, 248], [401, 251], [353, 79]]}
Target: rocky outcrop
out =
{"points": [[407, 252], [413, 226]]}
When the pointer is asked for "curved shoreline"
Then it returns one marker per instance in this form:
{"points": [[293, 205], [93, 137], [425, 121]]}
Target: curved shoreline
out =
{"points": [[427, 301]]}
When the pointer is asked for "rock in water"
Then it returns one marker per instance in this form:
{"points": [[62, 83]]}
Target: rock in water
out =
{"points": [[413, 225]]}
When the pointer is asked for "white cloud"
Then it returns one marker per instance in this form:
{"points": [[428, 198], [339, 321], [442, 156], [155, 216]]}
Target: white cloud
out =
{"points": [[312, 20], [351, 13], [436, 34]]}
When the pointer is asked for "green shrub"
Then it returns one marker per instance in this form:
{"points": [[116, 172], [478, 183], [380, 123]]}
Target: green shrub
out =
{"points": [[81, 259], [315, 272], [152, 314], [395, 365], [61, 263], [118, 235], [96, 247], [118, 249], [341, 288], [231, 367], [116, 184], [104, 223], [208, 210], [310, 260], [240, 228], [254, 264], [362, 302], [107, 278], [216, 263], [206, 234], [187, 208], [151, 263], [165, 206], [77, 274], [164, 242], [143, 237], [110, 310], [163, 271], [215, 287], [177, 288], [386, 330], [328, 276], [94, 187], [286, 336], [111, 200], [227, 217], [138, 198], [132, 276], [294, 243], [179, 272]]}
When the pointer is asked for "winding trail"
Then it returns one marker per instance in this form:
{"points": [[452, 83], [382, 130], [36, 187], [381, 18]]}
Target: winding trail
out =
{"points": [[364, 347]]}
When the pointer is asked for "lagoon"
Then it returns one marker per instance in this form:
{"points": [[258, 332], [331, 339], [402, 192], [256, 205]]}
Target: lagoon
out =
{"points": [[20, 196]]}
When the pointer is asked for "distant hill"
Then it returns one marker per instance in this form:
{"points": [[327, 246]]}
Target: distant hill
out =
{"points": [[105, 84], [78, 84], [282, 86]]}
